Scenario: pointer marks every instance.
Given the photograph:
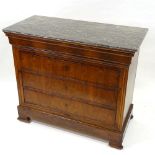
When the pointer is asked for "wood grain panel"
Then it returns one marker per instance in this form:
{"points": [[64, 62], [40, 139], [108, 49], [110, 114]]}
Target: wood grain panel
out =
{"points": [[105, 75], [71, 109], [72, 89]]}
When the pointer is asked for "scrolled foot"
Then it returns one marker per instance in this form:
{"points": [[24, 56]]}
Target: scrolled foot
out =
{"points": [[131, 117], [24, 119], [116, 145]]}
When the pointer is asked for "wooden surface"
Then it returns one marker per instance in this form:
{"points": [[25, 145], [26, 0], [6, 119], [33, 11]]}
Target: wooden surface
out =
{"points": [[80, 87]]}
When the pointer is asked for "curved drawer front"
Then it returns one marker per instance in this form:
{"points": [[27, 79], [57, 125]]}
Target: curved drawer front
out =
{"points": [[71, 89], [70, 109], [105, 75]]}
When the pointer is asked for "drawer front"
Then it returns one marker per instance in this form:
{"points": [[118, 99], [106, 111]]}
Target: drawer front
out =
{"points": [[70, 108], [78, 90], [71, 89], [104, 75]]}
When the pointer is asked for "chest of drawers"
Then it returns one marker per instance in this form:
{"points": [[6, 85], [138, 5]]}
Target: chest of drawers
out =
{"points": [[75, 74]]}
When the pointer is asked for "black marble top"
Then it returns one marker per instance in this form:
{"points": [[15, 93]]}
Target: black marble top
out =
{"points": [[91, 33]]}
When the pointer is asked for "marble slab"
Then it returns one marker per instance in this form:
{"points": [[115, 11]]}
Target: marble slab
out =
{"points": [[83, 32]]}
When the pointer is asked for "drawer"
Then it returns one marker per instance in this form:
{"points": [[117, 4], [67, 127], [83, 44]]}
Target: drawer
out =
{"points": [[70, 109], [71, 89], [102, 74]]}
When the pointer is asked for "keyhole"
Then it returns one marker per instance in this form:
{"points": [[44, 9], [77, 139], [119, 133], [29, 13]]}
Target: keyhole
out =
{"points": [[66, 68]]}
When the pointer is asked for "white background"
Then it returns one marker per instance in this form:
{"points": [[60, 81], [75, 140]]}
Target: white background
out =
{"points": [[37, 138]]}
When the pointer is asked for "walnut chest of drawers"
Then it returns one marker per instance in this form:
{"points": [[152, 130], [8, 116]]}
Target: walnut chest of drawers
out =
{"points": [[75, 74]]}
